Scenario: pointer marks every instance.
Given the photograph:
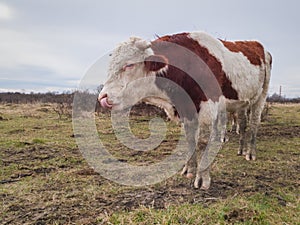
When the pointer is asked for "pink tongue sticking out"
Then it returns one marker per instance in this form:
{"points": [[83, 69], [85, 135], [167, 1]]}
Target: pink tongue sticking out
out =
{"points": [[104, 103]]}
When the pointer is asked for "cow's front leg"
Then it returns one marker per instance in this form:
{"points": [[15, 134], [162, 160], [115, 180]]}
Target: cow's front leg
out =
{"points": [[205, 179], [212, 130], [191, 128], [203, 165], [189, 168]]}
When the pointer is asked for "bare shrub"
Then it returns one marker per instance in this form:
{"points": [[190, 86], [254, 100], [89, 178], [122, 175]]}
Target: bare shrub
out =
{"points": [[63, 109]]}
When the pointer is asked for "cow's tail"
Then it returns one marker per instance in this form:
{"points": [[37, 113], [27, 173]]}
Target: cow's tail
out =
{"points": [[268, 67]]}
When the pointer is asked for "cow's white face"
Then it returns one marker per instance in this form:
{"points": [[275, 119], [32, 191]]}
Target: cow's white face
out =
{"points": [[130, 61]]}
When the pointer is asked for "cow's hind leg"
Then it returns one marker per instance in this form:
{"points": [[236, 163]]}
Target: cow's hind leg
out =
{"points": [[255, 117], [254, 123], [257, 108]]}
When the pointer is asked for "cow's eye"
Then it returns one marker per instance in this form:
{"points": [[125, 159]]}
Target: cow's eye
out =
{"points": [[128, 66]]}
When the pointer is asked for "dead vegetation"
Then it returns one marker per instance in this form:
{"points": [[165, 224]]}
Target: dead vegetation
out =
{"points": [[63, 109]]}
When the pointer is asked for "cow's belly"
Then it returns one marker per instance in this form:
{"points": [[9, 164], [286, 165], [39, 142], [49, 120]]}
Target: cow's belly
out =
{"points": [[236, 105], [248, 83]]}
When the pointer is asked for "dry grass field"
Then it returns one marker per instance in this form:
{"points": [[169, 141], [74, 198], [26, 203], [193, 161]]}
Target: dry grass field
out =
{"points": [[45, 180]]}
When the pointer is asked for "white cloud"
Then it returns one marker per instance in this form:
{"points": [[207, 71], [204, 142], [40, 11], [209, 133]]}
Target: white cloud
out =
{"points": [[6, 13], [47, 58], [20, 49], [66, 54]]}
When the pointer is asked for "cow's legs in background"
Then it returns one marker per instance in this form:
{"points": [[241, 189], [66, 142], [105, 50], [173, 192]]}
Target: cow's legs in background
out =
{"points": [[235, 126], [242, 121]]}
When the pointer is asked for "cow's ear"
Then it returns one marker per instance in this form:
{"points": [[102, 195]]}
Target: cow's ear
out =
{"points": [[154, 63], [142, 44]]}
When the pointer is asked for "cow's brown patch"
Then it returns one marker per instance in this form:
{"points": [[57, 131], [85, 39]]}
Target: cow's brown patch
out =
{"points": [[204, 72], [253, 50]]}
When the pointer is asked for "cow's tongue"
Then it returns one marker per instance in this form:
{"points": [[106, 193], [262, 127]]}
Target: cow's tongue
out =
{"points": [[104, 103]]}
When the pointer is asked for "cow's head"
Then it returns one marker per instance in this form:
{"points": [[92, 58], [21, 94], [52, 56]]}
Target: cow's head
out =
{"points": [[130, 61]]}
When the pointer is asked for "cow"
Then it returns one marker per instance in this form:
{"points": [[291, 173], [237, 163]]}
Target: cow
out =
{"points": [[211, 72], [233, 120]]}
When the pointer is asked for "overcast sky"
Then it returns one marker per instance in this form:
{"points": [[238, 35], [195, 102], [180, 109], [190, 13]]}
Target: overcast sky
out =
{"points": [[50, 45]]}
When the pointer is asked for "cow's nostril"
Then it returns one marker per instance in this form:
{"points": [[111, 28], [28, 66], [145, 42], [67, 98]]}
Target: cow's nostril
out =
{"points": [[101, 96]]}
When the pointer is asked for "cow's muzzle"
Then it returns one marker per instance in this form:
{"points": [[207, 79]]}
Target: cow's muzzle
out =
{"points": [[104, 101]]}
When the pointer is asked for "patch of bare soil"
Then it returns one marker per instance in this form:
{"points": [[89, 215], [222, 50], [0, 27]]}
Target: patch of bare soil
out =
{"points": [[288, 131]]}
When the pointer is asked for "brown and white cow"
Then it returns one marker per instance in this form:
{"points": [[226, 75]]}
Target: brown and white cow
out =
{"points": [[211, 72]]}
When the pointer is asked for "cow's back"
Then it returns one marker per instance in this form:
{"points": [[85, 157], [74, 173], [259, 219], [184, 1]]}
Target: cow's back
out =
{"points": [[243, 62], [239, 67]]}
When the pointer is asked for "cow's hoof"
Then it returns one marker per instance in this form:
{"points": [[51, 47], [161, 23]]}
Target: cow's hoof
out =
{"points": [[189, 175], [224, 140], [184, 170], [205, 183], [204, 187], [196, 183], [248, 157], [187, 171]]}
